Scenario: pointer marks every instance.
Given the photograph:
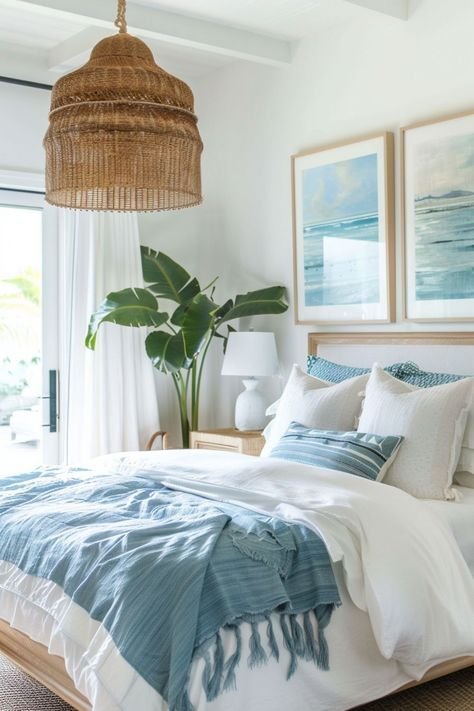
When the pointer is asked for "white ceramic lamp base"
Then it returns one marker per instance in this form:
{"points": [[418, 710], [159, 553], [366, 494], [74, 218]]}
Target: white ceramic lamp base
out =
{"points": [[250, 407]]}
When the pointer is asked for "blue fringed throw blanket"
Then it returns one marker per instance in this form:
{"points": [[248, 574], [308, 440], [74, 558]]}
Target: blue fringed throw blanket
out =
{"points": [[165, 572]]}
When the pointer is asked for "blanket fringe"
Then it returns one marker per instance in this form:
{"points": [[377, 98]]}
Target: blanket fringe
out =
{"points": [[215, 682], [323, 617], [272, 643], [257, 652], [234, 660], [303, 637], [183, 703], [289, 644]]}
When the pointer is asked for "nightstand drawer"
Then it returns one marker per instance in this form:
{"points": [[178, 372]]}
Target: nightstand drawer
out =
{"points": [[228, 440], [199, 444]]}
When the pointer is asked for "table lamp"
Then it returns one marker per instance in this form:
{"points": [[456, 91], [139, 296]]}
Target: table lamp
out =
{"points": [[251, 355]]}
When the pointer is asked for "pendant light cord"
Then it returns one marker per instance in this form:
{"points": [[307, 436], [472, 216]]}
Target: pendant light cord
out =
{"points": [[120, 21]]}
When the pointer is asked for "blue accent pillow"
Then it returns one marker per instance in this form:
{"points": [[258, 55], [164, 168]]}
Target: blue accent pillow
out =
{"points": [[365, 455], [335, 372], [411, 373]]}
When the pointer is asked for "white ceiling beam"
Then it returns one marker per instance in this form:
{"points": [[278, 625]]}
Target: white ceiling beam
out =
{"points": [[66, 54], [19, 180], [393, 8], [25, 65], [171, 27]]}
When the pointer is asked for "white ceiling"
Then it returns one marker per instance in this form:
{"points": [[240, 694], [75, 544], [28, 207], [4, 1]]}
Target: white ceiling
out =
{"points": [[40, 39], [21, 26], [285, 19]]}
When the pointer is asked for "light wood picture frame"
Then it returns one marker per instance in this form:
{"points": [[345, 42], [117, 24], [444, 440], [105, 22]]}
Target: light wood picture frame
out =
{"points": [[344, 232], [437, 207]]}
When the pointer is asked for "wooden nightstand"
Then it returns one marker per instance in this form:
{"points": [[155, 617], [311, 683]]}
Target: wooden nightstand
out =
{"points": [[228, 440]]}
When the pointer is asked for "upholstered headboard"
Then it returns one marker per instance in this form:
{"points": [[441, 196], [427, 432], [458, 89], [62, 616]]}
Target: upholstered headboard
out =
{"points": [[439, 351]]}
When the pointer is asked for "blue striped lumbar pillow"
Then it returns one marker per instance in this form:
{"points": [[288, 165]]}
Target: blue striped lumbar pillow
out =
{"points": [[365, 455]]}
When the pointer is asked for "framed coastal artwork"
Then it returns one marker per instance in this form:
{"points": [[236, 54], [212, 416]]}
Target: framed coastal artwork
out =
{"points": [[343, 232], [438, 221]]}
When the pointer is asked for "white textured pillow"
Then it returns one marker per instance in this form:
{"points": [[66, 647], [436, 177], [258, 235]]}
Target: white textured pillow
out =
{"points": [[315, 403], [432, 422]]}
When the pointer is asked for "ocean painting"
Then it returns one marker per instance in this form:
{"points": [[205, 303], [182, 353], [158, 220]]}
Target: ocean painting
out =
{"points": [[340, 222], [343, 232], [444, 218]]}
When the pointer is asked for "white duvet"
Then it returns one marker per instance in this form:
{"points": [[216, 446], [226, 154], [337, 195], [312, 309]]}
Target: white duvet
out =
{"points": [[408, 595]]}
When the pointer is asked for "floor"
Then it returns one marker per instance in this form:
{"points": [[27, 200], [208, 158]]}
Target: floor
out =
{"points": [[18, 692]]}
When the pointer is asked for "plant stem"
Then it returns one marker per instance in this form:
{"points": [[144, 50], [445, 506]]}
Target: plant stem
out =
{"points": [[168, 325], [199, 376], [211, 283], [194, 398], [182, 392]]}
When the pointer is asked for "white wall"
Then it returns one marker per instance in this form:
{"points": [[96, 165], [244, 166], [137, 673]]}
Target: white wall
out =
{"points": [[196, 239], [23, 122], [374, 74]]}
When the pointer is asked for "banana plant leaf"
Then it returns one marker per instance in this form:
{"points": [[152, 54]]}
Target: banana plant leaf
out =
{"points": [[167, 278], [225, 338], [170, 352], [225, 308], [255, 303], [167, 351], [129, 307]]}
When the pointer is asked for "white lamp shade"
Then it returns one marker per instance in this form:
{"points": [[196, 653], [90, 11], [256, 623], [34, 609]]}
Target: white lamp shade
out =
{"points": [[251, 354]]}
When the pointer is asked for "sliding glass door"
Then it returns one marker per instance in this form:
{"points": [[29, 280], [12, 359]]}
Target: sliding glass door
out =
{"points": [[28, 334]]}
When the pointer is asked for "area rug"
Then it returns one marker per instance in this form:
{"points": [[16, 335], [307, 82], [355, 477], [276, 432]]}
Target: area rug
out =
{"points": [[18, 692], [450, 693]]}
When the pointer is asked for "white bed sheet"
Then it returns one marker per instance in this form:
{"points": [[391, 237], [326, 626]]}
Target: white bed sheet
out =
{"points": [[459, 515]]}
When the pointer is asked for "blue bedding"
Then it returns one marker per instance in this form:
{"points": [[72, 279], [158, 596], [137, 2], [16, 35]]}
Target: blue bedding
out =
{"points": [[165, 571]]}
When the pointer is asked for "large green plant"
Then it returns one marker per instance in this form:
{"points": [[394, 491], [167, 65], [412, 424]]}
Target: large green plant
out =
{"points": [[179, 343]]}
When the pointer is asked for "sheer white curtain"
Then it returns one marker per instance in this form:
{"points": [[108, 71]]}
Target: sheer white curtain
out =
{"points": [[108, 396]]}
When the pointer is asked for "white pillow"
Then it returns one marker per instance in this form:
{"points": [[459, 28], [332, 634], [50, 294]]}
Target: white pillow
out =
{"points": [[432, 422], [315, 403]]}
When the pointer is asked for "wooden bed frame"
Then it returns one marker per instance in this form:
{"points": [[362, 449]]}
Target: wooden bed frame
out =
{"points": [[36, 661], [393, 338], [49, 669]]}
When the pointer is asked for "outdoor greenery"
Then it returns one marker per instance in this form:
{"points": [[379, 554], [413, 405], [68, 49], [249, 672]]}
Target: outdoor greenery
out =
{"points": [[19, 307], [16, 378], [19, 319], [180, 340]]}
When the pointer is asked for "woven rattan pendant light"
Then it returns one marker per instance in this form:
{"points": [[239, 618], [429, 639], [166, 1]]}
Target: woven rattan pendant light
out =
{"points": [[122, 133]]}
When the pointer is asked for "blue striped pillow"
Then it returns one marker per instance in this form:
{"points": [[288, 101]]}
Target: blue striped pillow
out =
{"points": [[365, 455], [335, 372]]}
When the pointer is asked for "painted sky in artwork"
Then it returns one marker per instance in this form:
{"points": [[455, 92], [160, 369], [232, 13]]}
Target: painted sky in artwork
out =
{"points": [[443, 165], [340, 190]]}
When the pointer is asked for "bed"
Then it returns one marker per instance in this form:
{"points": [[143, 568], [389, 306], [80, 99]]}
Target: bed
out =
{"points": [[356, 661]]}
